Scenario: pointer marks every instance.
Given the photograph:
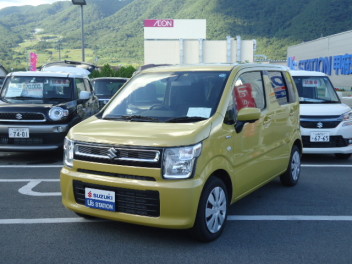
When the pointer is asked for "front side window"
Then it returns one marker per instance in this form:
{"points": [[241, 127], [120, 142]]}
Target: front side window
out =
{"points": [[315, 89], [168, 97], [29, 87], [249, 90]]}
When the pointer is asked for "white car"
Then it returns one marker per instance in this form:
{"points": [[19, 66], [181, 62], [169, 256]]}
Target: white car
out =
{"points": [[326, 123]]}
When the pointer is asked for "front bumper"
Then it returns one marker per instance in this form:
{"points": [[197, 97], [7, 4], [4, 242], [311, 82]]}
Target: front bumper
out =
{"points": [[177, 201], [340, 140], [41, 137]]}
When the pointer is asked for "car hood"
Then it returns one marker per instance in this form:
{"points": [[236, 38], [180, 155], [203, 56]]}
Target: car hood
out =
{"points": [[38, 106], [323, 109], [149, 134]]}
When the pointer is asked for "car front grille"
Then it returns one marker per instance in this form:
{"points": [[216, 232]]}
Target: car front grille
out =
{"points": [[141, 157], [136, 202], [22, 117], [20, 141], [34, 140], [335, 141], [320, 122]]}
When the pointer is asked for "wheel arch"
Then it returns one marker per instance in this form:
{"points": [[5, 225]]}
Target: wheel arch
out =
{"points": [[225, 177]]}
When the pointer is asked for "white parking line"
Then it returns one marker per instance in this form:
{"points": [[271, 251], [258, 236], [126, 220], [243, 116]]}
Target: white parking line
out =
{"points": [[289, 218], [28, 188], [31, 166], [331, 218], [60, 166], [327, 165], [45, 221]]}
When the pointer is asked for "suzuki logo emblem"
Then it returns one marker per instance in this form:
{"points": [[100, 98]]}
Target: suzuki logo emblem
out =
{"points": [[112, 153], [319, 125], [18, 116]]}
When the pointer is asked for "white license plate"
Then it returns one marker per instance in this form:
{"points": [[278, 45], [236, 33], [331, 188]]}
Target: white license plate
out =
{"points": [[319, 137], [100, 199], [22, 132]]}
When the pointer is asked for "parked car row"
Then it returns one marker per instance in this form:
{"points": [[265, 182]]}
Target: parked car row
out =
{"points": [[176, 145]]}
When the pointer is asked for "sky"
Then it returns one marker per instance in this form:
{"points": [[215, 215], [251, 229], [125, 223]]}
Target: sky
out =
{"points": [[7, 3]]}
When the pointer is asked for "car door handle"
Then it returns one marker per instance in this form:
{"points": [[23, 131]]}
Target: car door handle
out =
{"points": [[267, 121]]}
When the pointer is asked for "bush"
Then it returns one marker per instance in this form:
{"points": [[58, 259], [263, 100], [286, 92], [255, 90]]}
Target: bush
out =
{"points": [[108, 71]]}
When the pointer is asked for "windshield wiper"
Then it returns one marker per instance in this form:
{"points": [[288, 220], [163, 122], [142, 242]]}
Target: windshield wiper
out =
{"points": [[22, 97], [330, 102], [186, 119], [138, 118]]}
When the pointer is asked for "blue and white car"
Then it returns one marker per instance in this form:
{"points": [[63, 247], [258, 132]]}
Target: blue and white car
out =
{"points": [[326, 123]]}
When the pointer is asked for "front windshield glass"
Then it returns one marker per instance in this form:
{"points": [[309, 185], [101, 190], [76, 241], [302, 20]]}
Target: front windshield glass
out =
{"points": [[107, 87], [315, 89], [29, 87], [168, 97]]}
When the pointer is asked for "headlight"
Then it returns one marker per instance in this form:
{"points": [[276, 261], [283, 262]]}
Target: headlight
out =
{"points": [[57, 113], [68, 152], [347, 116], [178, 162]]}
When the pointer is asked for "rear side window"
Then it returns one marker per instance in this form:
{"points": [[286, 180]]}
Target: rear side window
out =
{"points": [[282, 86]]}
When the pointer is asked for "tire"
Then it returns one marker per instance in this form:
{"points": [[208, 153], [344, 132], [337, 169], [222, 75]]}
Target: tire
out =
{"points": [[291, 176], [342, 156], [212, 211]]}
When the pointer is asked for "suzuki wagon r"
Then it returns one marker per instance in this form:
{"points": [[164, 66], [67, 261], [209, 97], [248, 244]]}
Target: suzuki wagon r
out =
{"points": [[177, 145]]}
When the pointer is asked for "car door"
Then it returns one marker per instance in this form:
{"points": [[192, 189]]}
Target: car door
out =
{"points": [[284, 110], [252, 145]]}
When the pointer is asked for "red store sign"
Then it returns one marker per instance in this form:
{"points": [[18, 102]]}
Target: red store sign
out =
{"points": [[159, 23]]}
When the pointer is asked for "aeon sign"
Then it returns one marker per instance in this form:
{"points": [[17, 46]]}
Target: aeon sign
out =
{"points": [[159, 23]]}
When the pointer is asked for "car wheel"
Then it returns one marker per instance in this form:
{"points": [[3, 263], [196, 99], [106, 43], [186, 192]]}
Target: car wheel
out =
{"points": [[212, 211], [291, 176], [342, 156]]}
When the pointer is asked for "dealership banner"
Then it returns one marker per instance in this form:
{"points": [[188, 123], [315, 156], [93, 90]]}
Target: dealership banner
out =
{"points": [[33, 60], [175, 29], [339, 64]]}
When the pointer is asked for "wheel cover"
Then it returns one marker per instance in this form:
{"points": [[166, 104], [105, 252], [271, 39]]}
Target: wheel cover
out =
{"points": [[295, 165], [216, 207]]}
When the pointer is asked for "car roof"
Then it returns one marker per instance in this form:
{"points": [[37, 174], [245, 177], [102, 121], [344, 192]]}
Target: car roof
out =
{"points": [[212, 67], [306, 73], [46, 74], [73, 64]]}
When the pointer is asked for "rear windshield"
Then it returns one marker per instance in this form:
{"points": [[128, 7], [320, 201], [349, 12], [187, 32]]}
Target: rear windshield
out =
{"points": [[315, 89], [108, 87], [25, 87], [168, 97]]}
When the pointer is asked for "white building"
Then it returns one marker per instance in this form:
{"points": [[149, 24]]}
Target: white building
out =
{"points": [[183, 41], [331, 55]]}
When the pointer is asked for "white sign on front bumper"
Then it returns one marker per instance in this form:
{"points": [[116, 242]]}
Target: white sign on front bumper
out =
{"points": [[22, 132], [319, 137]]}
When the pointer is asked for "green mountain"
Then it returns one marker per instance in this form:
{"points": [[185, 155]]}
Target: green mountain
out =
{"points": [[114, 28]]}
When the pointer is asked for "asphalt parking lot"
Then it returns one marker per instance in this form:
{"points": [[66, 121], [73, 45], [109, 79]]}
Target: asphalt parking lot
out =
{"points": [[309, 223]]}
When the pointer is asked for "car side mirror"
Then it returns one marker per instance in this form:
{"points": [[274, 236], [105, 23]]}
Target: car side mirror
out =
{"points": [[246, 115], [84, 95]]}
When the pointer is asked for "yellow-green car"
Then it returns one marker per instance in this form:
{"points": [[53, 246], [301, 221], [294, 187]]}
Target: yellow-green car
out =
{"points": [[178, 144]]}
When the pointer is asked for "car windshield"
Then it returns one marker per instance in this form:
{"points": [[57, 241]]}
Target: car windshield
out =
{"points": [[168, 97], [29, 87], [315, 90], [107, 87]]}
